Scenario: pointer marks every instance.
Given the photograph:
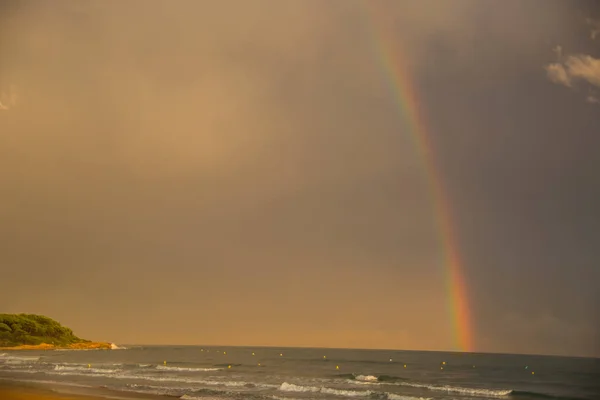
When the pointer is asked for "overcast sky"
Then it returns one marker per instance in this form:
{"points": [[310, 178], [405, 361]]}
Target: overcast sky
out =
{"points": [[238, 172]]}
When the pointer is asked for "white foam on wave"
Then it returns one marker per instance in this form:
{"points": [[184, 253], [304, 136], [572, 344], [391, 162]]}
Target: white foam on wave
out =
{"points": [[10, 359], [346, 393], [459, 389], [124, 375], [69, 365], [155, 390], [290, 387], [394, 396], [366, 378], [16, 366], [373, 380], [185, 369], [283, 398], [472, 391], [85, 369], [115, 347]]}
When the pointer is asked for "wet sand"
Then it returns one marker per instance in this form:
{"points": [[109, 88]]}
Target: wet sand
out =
{"points": [[10, 390]]}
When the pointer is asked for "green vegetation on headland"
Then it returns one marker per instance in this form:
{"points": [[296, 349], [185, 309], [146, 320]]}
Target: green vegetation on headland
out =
{"points": [[30, 331]]}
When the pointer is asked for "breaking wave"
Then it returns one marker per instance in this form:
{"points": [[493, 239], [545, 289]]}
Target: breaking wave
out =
{"points": [[395, 396], [85, 369], [346, 392], [8, 359], [185, 369], [371, 379], [290, 387], [518, 393], [393, 380], [366, 378], [462, 390]]}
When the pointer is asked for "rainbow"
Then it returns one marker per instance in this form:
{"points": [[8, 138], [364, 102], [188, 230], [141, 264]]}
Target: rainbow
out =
{"points": [[405, 95]]}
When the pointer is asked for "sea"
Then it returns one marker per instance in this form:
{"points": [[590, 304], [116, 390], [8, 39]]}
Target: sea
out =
{"points": [[259, 373]]}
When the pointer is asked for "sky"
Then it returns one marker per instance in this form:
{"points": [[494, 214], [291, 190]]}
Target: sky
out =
{"points": [[242, 173]]}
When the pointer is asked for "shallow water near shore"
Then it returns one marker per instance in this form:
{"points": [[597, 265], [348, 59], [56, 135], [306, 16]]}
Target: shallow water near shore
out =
{"points": [[190, 372]]}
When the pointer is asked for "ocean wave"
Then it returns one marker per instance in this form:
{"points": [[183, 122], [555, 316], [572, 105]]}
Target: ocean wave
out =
{"points": [[462, 390], [395, 396], [132, 376], [363, 379], [115, 347], [190, 397], [290, 387], [85, 369], [123, 375], [366, 378], [184, 369], [346, 392], [519, 393], [390, 378], [9, 359], [398, 381], [284, 398], [155, 390]]}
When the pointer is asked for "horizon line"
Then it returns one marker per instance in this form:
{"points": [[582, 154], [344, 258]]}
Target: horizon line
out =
{"points": [[359, 348]]}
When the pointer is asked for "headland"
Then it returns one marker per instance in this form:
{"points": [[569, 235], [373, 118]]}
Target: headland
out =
{"points": [[38, 332]]}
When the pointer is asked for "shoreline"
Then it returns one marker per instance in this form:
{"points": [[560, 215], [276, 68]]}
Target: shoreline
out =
{"points": [[24, 390], [72, 346]]}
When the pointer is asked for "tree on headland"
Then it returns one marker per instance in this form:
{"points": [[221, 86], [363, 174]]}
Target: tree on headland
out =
{"points": [[32, 329]]}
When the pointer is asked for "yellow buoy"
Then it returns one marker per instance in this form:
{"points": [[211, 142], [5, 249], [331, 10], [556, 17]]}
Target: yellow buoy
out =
{"points": [[225, 353], [164, 362], [259, 364], [324, 357], [444, 362], [89, 365], [404, 365], [252, 353], [229, 366], [280, 354], [532, 373], [337, 367]]}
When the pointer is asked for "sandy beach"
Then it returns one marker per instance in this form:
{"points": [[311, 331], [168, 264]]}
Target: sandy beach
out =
{"points": [[10, 390]]}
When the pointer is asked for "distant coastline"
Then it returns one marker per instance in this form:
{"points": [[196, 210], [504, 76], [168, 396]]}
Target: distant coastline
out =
{"points": [[72, 346]]}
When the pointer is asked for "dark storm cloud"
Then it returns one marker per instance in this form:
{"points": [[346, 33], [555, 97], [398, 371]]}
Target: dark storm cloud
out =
{"points": [[234, 167]]}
